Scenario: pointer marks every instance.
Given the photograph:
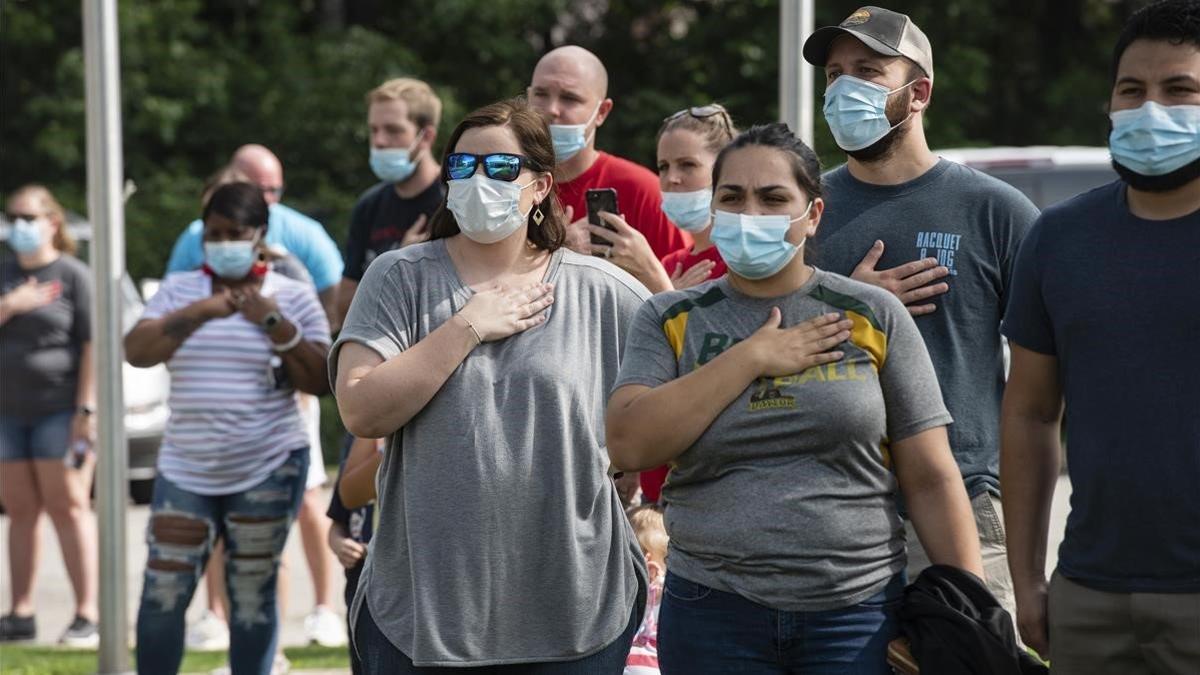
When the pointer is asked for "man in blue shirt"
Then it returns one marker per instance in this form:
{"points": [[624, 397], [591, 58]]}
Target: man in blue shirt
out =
{"points": [[1104, 313], [287, 228]]}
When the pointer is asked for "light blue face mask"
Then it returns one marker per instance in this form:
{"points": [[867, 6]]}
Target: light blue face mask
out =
{"points": [[569, 139], [1154, 139], [231, 259], [755, 247], [856, 112], [688, 210], [394, 165], [26, 237]]}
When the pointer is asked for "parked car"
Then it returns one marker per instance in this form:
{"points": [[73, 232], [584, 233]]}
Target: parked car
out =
{"points": [[146, 389], [1047, 174]]}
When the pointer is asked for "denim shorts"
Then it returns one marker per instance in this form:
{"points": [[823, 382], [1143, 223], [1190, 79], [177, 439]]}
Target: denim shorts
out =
{"points": [[27, 438]]}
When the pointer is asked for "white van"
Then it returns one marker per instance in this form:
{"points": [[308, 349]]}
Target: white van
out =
{"points": [[1047, 174]]}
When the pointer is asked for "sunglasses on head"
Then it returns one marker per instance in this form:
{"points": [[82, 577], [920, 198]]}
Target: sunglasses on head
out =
{"points": [[704, 112], [498, 165]]}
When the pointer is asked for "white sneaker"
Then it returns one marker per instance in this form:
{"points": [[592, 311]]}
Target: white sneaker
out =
{"points": [[281, 665], [325, 627], [209, 634]]}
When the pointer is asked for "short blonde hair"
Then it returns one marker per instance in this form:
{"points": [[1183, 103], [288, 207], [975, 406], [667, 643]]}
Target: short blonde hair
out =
{"points": [[63, 241], [651, 531], [424, 107], [224, 176]]}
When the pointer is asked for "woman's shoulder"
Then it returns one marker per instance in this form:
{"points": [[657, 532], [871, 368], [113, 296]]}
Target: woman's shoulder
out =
{"points": [[593, 272], [846, 294], [406, 260]]}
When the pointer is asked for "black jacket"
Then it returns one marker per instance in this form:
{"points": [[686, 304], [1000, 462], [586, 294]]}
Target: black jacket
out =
{"points": [[955, 626]]}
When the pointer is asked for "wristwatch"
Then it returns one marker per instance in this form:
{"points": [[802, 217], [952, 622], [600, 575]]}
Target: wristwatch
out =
{"points": [[271, 320]]}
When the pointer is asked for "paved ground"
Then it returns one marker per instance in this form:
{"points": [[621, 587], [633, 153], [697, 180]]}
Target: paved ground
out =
{"points": [[55, 602], [54, 599]]}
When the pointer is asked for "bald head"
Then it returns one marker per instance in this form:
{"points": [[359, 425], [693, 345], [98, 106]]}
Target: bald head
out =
{"points": [[263, 169], [577, 64]]}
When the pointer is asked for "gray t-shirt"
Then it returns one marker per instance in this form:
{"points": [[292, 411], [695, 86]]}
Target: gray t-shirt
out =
{"points": [[501, 538], [787, 498], [972, 223], [40, 350]]}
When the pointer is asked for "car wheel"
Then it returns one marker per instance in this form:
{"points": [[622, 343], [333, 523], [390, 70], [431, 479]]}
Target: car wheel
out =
{"points": [[141, 491]]}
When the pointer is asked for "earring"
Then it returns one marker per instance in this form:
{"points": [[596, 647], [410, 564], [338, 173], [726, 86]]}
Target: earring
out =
{"points": [[538, 216]]}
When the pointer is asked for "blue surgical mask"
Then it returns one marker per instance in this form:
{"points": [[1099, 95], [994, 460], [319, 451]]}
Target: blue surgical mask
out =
{"points": [[231, 259], [27, 236], [394, 165], [688, 210], [1155, 139], [755, 247], [569, 139], [856, 112]]}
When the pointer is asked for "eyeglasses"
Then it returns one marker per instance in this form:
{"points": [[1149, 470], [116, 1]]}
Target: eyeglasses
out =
{"points": [[704, 112], [498, 165], [12, 217]]}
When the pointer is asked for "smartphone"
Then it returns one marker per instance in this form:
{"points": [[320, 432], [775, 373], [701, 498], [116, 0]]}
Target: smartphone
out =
{"points": [[602, 199]]}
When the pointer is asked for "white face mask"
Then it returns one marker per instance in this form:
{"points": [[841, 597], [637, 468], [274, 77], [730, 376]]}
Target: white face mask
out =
{"points": [[487, 210]]}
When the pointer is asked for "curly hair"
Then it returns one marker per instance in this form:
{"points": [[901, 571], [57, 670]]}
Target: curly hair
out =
{"points": [[1175, 21]]}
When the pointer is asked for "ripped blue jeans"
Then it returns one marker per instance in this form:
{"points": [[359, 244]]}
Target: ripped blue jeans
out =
{"points": [[182, 530]]}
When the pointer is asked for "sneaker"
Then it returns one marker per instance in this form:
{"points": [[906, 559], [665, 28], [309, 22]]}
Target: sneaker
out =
{"points": [[325, 627], [81, 634], [209, 634], [13, 628]]}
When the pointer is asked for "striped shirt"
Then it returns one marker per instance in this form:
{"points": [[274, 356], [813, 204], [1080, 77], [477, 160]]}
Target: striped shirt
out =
{"points": [[229, 426]]}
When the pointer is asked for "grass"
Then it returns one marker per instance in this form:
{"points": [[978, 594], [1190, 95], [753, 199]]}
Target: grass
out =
{"points": [[41, 660]]}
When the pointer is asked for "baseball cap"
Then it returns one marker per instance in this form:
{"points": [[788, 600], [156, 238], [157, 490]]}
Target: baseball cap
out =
{"points": [[882, 30]]}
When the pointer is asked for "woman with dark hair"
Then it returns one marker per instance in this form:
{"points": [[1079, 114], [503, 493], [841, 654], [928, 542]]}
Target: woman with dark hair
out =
{"points": [[47, 401], [486, 355], [239, 340], [799, 402]]}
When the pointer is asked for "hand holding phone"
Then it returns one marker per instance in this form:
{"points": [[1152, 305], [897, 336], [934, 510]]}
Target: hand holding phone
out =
{"points": [[601, 199]]}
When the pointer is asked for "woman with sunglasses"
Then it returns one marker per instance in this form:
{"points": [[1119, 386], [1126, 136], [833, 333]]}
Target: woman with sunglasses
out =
{"points": [[47, 422], [486, 355], [688, 143], [239, 340], [800, 402]]}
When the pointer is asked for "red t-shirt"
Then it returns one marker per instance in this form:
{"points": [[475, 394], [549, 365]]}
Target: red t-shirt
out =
{"points": [[689, 260], [638, 196]]}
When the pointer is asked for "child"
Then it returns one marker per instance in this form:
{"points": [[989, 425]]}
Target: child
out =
{"points": [[651, 534], [352, 526]]}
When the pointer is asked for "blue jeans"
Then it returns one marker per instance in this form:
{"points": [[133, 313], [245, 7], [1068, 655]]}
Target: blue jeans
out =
{"points": [[183, 528], [703, 630], [380, 657], [29, 438]]}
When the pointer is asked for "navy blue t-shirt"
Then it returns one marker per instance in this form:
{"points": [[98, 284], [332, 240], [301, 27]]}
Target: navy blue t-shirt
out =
{"points": [[1116, 299]]}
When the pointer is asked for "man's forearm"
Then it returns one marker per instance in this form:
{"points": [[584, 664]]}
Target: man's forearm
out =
{"points": [[1029, 466]]}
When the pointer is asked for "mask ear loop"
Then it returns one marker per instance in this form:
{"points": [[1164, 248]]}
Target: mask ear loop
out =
{"points": [[910, 113]]}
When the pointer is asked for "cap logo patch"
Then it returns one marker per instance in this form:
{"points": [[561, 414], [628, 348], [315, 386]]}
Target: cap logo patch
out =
{"points": [[858, 18]]}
